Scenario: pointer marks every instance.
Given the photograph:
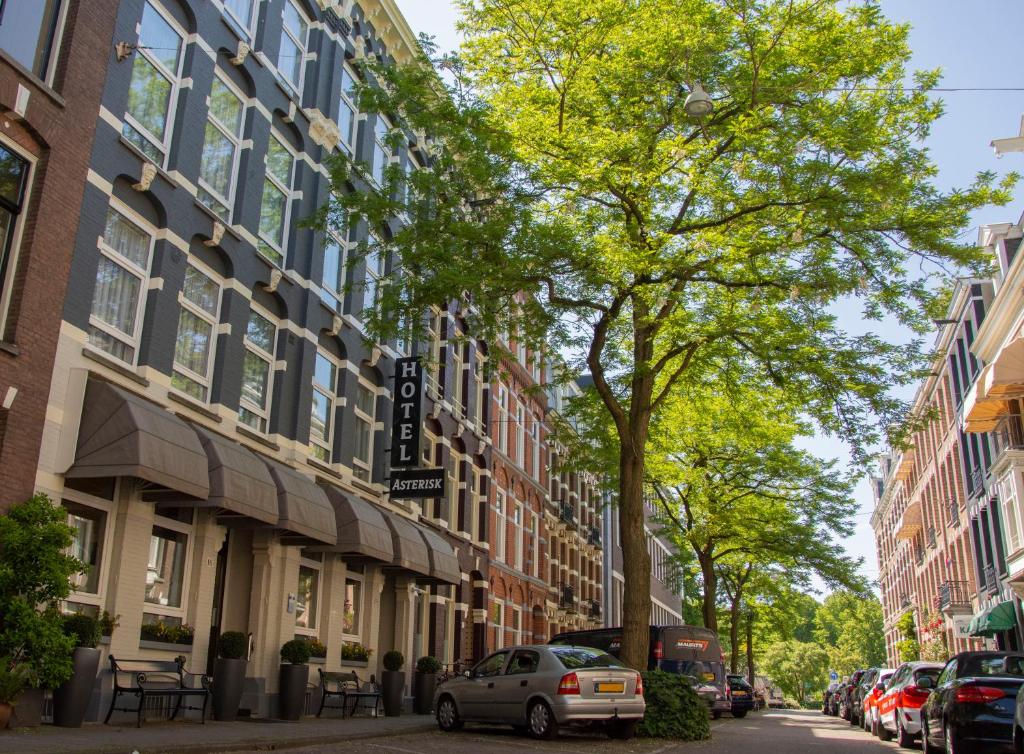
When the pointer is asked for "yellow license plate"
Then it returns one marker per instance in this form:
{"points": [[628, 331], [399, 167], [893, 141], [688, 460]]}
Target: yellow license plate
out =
{"points": [[610, 688], [739, 693]]}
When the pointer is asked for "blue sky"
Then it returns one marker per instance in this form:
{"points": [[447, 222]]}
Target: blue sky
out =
{"points": [[975, 43]]}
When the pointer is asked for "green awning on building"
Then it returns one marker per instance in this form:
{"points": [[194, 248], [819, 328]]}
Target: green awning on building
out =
{"points": [[994, 620]]}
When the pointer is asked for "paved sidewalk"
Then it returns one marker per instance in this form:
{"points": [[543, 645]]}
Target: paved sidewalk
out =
{"points": [[195, 738]]}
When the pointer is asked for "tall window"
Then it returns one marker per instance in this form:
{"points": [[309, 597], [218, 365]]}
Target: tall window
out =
{"points": [[276, 206], [534, 545], [197, 334], [366, 400], [257, 372], [29, 31], [381, 149], [116, 320], [347, 110], [458, 394], [307, 594], [156, 77], [291, 58], [352, 609], [325, 397], [89, 542], [166, 584], [332, 281], [478, 392], [503, 418], [535, 446], [517, 624], [242, 12], [517, 531], [500, 525], [433, 372], [375, 268], [520, 434], [498, 618], [218, 170], [1011, 514], [13, 185]]}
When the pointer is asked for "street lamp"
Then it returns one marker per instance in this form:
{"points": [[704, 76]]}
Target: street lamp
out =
{"points": [[698, 104]]}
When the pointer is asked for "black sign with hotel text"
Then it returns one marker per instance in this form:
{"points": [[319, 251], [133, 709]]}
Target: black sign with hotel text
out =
{"points": [[405, 428], [416, 483]]}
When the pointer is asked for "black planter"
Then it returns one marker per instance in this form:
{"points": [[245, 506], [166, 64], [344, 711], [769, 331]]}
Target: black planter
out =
{"points": [[228, 679], [28, 709], [392, 690], [71, 699], [291, 696], [423, 693]]}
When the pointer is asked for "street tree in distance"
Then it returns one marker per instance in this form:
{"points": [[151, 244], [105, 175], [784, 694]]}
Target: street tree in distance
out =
{"points": [[797, 667], [850, 627], [563, 186]]}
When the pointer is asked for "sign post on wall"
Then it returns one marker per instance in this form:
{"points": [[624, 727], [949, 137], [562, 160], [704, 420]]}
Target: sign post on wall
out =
{"points": [[406, 480]]}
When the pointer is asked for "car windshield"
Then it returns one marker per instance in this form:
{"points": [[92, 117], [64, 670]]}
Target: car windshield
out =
{"points": [[574, 658], [997, 665], [932, 673]]}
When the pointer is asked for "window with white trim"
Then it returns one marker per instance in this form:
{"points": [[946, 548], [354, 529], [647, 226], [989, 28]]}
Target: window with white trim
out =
{"points": [[30, 33], [352, 608], [478, 391], [122, 278], [276, 205], [517, 532], [243, 13], [500, 525], [307, 594], [1011, 514], [503, 418], [155, 83], [433, 371], [14, 182], [517, 625], [347, 110], [291, 57], [498, 619], [535, 545], [218, 168], [520, 434], [458, 394], [324, 407], [332, 280], [365, 412], [452, 472], [374, 275], [381, 149], [169, 554], [535, 446], [89, 517], [196, 345], [257, 371]]}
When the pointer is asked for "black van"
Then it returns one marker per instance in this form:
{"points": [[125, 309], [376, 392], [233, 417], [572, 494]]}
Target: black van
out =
{"points": [[688, 650]]}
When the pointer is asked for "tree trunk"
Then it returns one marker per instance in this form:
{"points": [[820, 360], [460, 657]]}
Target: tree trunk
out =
{"points": [[636, 560], [750, 648], [734, 633], [707, 569]]}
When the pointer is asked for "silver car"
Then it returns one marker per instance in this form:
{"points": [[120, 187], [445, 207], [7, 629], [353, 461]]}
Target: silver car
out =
{"points": [[537, 688]]}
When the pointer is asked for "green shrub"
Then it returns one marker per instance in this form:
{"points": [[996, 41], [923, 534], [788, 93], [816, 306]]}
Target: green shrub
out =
{"points": [[169, 633], [428, 665], [232, 645], [317, 648], [108, 623], [84, 629], [14, 678], [353, 650], [673, 708], [295, 652], [35, 574], [393, 660]]}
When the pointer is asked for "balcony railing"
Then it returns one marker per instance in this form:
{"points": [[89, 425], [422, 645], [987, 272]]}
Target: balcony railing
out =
{"points": [[567, 597], [1008, 435], [954, 594], [594, 536], [566, 513]]}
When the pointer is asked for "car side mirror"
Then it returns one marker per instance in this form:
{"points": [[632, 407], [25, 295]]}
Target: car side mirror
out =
{"points": [[926, 683], [879, 687]]}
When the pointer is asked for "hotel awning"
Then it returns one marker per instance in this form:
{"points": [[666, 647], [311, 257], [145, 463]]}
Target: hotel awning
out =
{"points": [[303, 508], [122, 434], [444, 564], [240, 483], [1004, 377], [410, 547], [994, 620], [362, 533]]}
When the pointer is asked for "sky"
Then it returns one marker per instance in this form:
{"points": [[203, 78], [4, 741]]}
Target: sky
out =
{"points": [[975, 43]]}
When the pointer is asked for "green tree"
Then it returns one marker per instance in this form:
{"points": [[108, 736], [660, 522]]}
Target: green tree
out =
{"points": [[908, 647], [850, 627], [796, 667], [567, 191]]}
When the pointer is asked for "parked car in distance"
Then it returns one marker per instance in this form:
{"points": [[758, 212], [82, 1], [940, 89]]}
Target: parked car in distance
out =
{"points": [[828, 698], [775, 698], [846, 697], [857, 694], [869, 707], [691, 651], [539, 688], [899, 708], [973, 703], [742, 695]]}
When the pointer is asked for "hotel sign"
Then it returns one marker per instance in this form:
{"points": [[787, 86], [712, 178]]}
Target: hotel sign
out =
{"points": [[405, 427], [416, 483]]}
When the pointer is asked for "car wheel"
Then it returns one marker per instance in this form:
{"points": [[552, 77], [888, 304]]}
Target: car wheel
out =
{"points": [[904, 739], [448, 718], [740, 713], [926, 747], [853, 718], [883, 732], [952, 745], [622, 730], [542, 721], [716, 714]]}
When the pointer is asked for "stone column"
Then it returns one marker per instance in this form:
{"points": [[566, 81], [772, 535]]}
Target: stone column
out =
{"points": [[129, 560], [209, 537], [332, 609]]}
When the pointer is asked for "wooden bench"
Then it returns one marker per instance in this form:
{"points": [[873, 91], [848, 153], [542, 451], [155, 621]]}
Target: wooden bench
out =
{"points": [[148, 679], [346, 686]]}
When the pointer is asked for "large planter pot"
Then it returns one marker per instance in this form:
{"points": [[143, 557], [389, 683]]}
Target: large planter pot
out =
{"points": [[228, 680], [423, 693], [392, 689], [5, 714], [71, 699], [291, 696], [28, 709]]}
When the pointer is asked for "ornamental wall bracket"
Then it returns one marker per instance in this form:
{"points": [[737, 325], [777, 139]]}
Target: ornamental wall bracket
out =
{"points": [[275, 280], [335, 327], [375, 356], [148, 174], [216, 236], [243, 52]]}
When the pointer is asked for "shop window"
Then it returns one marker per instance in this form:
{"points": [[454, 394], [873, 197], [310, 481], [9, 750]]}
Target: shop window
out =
{"points": [[347, 110], [351, 624], [168, 555], [275, 212], [218, 169], [197, 334], [324, 407], [364, 414], [122, 278], [421, 619], [89, 527], [156, 79], [307, 595], [291, 58], [242, 13], [14, 172], [29, 33], [257, 372]]}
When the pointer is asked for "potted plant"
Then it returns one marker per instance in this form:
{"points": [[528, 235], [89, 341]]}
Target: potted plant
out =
{"points": [[291, 695], [424, 683], [108, 623], [354, 653], [71, 698], [317, 649], [229, 674], [14, 678], [393, 683]]}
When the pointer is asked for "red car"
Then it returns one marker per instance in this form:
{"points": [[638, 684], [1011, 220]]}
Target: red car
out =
{"points": [[899, 709], [870, 704]]}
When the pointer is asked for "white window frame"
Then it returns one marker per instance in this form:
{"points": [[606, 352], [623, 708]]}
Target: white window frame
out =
{"points": [[318, 566], [334, 297], [289, 196], [356, 637], [458, 394], [188, 529], [517, 542], [500, 525], [143, 274], [499, 625], [326, 445], [478, 393], [517, 625], [520, 458], [7, 282], [348, 145], [503, 418], [374, 251], [246, 27], [452, 493], [106, 507], [383, 154], [174, 77], [261, 412], [303, 45], [206, 380], [1011, 513], [362, 468], [535, 448], [226, 202], [535, 540]]}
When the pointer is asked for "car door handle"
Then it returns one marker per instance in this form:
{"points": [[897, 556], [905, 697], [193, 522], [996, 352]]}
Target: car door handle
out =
{"points": [[522, 683], [490, 685]]}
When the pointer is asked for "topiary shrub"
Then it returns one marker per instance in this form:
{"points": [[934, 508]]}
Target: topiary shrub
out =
{"points": [[673, 708], [232, 645], [84, 629], [295, 652], [108, 623], [317, 648], [393, 660], [428, 665]]}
